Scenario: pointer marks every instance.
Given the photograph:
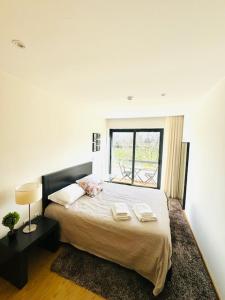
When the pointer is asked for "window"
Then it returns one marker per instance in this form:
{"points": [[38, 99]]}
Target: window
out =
{"points": [[136, 156]]}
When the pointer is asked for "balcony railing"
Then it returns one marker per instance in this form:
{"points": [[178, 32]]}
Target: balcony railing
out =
{"points": [[145, 172]]}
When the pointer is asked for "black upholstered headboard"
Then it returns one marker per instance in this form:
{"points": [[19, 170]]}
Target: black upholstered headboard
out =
{"points": [[58, 180]]}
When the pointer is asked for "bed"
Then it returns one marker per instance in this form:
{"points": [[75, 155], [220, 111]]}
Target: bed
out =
{"points": [[88, 225]]}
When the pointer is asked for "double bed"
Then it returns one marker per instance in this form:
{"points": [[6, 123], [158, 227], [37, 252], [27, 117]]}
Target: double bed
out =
{"points": [[88, 225]]}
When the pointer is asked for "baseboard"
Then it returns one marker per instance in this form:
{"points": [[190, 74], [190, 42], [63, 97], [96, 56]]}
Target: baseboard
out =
{"points": [[202, 256]]}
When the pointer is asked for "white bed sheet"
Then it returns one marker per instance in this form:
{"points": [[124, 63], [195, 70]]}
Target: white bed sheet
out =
{"points": [[144, 247]]}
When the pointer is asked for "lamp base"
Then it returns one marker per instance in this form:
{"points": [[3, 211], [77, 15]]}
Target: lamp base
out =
{"points": [[31, 228]]}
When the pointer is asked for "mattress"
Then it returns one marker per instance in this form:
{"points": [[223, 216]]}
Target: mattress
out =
{"points": [[144, 247]]}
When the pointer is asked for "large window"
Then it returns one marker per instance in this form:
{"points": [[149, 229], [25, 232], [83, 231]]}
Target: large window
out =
{"points": [[136, 156]]}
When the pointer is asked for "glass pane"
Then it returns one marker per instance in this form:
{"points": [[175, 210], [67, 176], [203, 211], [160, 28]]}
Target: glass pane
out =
{"points": [[122, 151], [146, 159]]}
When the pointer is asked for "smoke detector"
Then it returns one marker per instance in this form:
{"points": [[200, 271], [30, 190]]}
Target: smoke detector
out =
{"points": [[130, 98]]}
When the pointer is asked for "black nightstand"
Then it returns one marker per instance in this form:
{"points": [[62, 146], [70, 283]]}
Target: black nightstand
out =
{"points": [[13, 252]]}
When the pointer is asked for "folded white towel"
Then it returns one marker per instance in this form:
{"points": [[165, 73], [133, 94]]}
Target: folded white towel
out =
{"points": [[120, 217], [144, 212], [143, 209], [121, 209], [145, 219]]}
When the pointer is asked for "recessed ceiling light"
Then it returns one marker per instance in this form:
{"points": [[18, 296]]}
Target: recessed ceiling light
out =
{"points": [[130, 98], [18, 44], [163, 94]]}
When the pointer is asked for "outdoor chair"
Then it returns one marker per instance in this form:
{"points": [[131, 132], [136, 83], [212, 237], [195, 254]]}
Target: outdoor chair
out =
{"points": [[126, 172], [151, 176]]}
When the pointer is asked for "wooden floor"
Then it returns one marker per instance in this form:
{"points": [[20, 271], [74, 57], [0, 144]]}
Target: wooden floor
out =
{"points": [[44, 284]]}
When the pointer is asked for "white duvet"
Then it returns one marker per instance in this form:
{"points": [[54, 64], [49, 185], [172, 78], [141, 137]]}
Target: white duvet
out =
{"points": [[142, 246]]}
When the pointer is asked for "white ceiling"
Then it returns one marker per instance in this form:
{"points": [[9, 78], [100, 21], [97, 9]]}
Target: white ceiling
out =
{"points": [[102, 50]]}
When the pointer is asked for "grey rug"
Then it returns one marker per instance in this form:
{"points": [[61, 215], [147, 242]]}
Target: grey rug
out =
{"points": [[189, 278]]}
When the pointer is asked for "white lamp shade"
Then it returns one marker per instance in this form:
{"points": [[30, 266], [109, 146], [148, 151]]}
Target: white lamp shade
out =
{"points": [[28, 193]]}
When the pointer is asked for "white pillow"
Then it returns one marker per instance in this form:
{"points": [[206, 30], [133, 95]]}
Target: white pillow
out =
{"points": [[67, 195], [92, 178]]}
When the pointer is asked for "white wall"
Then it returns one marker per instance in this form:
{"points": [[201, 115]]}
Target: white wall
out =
{"points": [[40, 134], [205, 204], [154, 122]]}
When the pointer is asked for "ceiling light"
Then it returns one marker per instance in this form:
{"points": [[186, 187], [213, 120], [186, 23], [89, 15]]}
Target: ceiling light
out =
{"points": [[18, 44]]}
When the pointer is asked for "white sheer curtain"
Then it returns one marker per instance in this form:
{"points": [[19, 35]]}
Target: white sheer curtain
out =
{"points": [[174, 129]]}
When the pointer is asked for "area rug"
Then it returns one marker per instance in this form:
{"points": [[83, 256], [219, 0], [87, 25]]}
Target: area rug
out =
{"points": [[189, 279]]}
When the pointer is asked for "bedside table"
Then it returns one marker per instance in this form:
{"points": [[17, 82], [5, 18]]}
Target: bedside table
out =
{"points": [[13, 252]]}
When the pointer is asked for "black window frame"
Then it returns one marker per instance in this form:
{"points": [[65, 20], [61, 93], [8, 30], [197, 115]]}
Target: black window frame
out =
{"points": [[135, 130]]}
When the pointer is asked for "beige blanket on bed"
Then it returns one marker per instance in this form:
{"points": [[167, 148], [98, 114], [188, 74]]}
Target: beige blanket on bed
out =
{"points": [[145, 247]]}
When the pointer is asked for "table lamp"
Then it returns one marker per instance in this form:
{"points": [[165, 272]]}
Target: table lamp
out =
{"points": [[27, 194]]}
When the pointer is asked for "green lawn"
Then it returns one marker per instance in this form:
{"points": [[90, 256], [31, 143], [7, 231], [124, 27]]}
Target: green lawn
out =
{"points": [[141, 154]]}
